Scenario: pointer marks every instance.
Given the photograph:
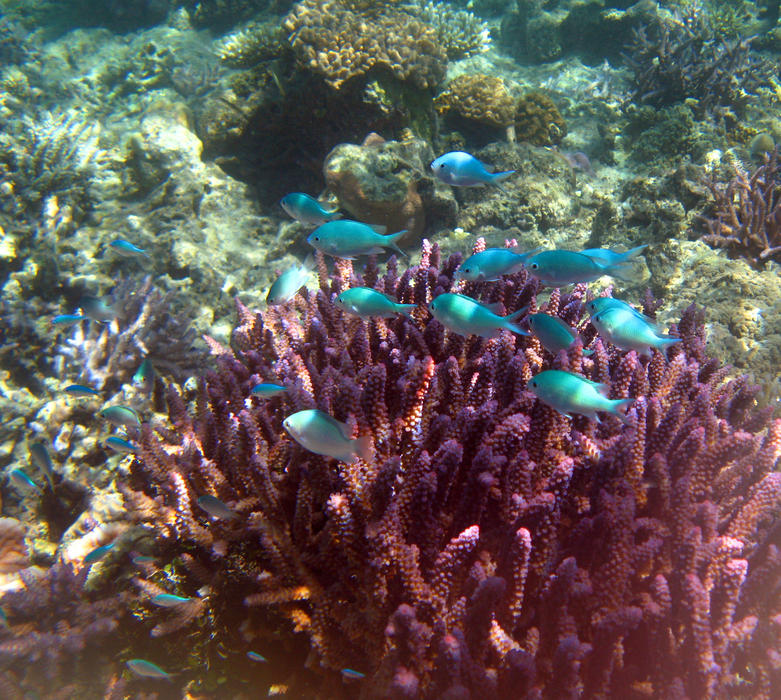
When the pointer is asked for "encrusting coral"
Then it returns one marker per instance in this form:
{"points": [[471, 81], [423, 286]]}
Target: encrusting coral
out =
{"points": [[747, 214], [480, 98], [491, 546], [538, 120]]}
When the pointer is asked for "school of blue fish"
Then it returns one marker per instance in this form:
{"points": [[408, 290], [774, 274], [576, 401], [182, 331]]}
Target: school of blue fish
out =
{"points": [[320, 433]]}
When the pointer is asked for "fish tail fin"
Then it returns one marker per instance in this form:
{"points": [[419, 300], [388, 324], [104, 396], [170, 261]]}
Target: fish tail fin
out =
{"points": [[619, 409], [362, 447], [406, 310], [393, 239], [515, 328], [496, 178], [633, 253], [517, 314]]}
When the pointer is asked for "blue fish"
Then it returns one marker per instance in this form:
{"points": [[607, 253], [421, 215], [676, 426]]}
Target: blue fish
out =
{"points": [[367, 302], [40, 457], [570, 393], [3, 618], [347, 239], [169, 600], [307, 209], [142, 559], [68, 319], [559, 268], [611, 257], [599, 304], [23, 482], [215, 507], [142, 667], [267, 391], [81, 391], [97, 309], [144, 376], [119, 445], [126, 249], [98, 553], [467, 316], [629, 331], [322, 434], [121, 416], [352, 675], [464, 170], [286, 286], [490, 264], [553, 333], [256, 657]]}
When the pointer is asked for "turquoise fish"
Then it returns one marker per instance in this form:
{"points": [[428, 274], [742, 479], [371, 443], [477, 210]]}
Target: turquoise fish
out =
{"points": [[98, 553], [570, 393], [467, 316], [120, 416], [490, 264], [464, 170], [552, 332], [611, 257], [97, 309], [367, 302], [559, 268], [68, 319], [126, 249], [81, 391], [142, 667], [254, 656], [324, 435], [307, 209], [267, 391], [119, 445], [40, 457], [599, 304], [169, 600], [348, 239], [352, 674], [286, 286], [144, 376], [23, 482], [629, 331], [215, 507]]}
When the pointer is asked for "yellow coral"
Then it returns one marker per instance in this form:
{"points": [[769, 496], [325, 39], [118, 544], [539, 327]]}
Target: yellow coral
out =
{"points": [[538, 121], [339, 43], [478, 97]]}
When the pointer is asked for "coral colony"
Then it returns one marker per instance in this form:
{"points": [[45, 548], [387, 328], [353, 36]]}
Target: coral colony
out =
{"points": [[490, 545], [472, 473]]}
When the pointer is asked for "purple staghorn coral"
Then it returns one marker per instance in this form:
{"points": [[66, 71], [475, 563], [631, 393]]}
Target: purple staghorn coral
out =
{"points": [[747, 214], [492, 546]]}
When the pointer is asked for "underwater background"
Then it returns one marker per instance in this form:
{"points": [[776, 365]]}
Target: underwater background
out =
{"points": [[223, 476]]}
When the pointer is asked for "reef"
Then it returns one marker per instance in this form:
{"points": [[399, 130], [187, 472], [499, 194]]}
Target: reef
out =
{"points": [[479, 98], [491, 546], [746, 214]]}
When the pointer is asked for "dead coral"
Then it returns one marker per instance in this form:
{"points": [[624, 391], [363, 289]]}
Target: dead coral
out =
{"points": [[538, 121], [480, 98]]}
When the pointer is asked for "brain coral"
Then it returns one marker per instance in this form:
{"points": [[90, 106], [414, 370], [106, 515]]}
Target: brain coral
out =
{"points": [[481, 98], [342, 40], [538, 121]]}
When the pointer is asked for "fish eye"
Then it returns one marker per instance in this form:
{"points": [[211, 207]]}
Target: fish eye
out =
{"points": [[441, 165], [467, 269], [317, 238], [534, 266], [534, 384]]}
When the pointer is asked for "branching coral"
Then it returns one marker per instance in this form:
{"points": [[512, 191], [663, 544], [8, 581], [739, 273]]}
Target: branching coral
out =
{"points": [[747, 214], [478, 97], [677, 59], [492, 546], [48, 157]]}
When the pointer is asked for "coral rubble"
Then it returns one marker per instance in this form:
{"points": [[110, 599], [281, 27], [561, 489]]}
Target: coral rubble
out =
{"points": [[491, 546]]}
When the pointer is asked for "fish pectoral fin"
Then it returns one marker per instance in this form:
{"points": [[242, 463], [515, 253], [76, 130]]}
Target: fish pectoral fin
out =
{"points": [[363, 447]]}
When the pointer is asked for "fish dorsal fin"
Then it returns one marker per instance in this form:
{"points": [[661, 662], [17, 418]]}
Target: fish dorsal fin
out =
{"points": [[378, 228], [345, 429], [495, 308]]}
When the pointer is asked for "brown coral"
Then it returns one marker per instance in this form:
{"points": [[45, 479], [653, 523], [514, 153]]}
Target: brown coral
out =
{"points": [[480, 98], [538, 121], [340, 44]]}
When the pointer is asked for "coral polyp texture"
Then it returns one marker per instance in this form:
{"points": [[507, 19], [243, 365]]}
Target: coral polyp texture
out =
{"points": [[538, 120], [747, 214], [491, 546], [478, 97]]}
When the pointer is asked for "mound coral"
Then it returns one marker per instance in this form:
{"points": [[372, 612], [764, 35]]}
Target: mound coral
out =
{"points": [[538, 121], [491, 546], [480, 98], [747, 214]]}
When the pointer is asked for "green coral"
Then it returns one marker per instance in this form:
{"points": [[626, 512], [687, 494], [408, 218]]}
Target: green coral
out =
{"points": [[657, 134]]}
